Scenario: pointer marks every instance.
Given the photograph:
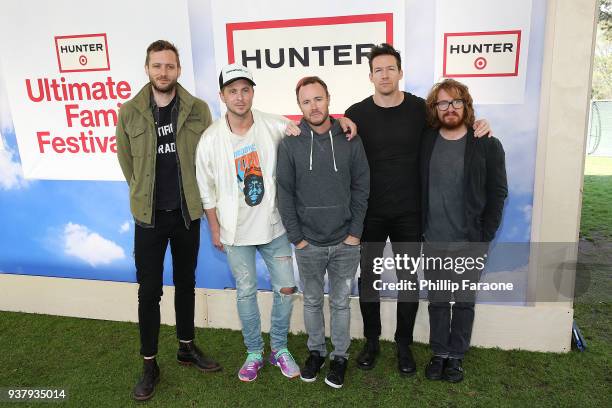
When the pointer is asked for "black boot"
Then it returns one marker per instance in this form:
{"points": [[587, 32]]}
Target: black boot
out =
{"points": [[453, 372], [146, 385], [366, 360], [405, 360], [190, 354], [435, 368]]}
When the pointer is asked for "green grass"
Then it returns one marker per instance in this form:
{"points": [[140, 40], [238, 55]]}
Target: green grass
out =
{"points": [[597, 208], [97, 361]]}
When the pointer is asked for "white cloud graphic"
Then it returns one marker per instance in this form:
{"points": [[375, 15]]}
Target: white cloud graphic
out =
{"points": [[90, 246], [11, 173], [125, 227], [527, 210], [6, 122]]}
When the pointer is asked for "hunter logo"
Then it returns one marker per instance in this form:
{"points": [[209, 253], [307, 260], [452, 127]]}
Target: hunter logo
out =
{"points": [[279, 52], [78, 53], [481, 54]]}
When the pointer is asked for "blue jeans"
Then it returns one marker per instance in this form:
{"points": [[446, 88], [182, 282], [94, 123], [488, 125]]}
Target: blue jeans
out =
{"points": [[277, 256], [340, 261]]}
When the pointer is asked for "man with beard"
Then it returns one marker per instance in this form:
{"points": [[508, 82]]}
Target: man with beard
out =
{"points": [[323, 183], [464, 187], [391, 124], [157, 133]]}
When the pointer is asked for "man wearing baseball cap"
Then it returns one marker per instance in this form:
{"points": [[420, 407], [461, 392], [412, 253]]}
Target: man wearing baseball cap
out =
{"points": [[236, 173]]}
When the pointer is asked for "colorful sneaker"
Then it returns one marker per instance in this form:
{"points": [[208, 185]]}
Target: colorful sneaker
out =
{"points": [[252, 364], [284, 360]]}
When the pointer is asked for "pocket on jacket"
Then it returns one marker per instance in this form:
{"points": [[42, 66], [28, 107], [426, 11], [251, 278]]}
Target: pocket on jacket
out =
{"points": [[137, 143], [194, 134]]}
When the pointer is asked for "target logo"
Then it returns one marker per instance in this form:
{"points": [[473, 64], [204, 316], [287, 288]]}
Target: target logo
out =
{"points": [[481, 54], [84, 52], [480, 63]]}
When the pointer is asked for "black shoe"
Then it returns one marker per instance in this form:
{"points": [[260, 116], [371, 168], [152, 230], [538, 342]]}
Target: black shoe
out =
{"points": [[335, 375], [453, 372], [435, 368], [405, 360], [146, 385], [314, 363], [190, 354], [366, 360]]}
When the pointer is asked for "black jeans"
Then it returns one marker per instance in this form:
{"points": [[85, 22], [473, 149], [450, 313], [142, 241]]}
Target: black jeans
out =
{"points": [[404, 234], [450, 327], [149, 251]]}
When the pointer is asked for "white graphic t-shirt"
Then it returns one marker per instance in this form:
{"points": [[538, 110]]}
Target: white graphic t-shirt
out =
{"points": [[253, 222]]}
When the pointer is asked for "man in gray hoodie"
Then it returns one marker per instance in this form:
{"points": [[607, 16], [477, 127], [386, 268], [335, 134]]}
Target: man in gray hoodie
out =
{"points": [[323, 186]]}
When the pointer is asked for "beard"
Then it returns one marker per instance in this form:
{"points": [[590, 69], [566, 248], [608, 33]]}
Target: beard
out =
{"points": [[168, 88], [324, 117], [451, 121], [246, 111]]}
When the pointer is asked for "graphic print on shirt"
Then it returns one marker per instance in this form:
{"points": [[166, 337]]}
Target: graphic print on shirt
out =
{"points": [[167, 184], [250, 178], [165, 142]]}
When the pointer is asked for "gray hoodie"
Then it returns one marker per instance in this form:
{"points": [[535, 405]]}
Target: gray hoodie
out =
{"points": [[323, 186]]}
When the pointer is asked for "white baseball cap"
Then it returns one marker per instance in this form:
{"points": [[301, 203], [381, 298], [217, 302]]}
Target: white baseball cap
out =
{"points": [[233, 72]]}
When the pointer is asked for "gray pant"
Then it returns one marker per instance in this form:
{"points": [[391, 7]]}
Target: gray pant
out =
{"points": [[340, 261]]}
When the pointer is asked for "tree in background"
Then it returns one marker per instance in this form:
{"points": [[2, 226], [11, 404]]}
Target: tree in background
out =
{"points": [[605, 18], [602, 63]]}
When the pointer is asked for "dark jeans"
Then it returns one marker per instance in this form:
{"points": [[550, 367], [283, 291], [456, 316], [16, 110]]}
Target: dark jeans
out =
{"points": [[149, 251], [404, 234], [450, 326]]}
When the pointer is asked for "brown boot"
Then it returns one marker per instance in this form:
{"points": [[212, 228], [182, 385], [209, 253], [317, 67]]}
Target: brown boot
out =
{"points": [[150, 377]]}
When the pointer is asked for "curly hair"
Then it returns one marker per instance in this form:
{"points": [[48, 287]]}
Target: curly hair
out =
{"points": [[458, 91]]}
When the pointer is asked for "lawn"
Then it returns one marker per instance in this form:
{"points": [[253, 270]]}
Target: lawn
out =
{"points": [[97, 361]]}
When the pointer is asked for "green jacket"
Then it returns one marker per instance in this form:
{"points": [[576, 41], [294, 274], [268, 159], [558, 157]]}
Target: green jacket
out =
{"points": [[137, 145]]}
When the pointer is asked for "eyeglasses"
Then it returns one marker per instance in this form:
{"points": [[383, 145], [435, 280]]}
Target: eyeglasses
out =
{"points": [[443, 105]]}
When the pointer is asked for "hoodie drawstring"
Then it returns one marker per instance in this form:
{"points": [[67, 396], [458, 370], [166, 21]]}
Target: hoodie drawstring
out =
{"points": [[311, 143], [331, 140]]}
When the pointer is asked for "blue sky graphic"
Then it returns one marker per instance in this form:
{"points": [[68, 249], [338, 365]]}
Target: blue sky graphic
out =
{"points": [[83, 229]]}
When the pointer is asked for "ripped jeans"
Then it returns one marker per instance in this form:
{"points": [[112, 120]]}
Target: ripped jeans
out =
{"points": [[340, 261], [277, 256]]}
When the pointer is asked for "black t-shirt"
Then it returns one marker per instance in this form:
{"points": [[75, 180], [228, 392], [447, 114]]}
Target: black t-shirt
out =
{"points": [[392, 141], [167, 191]]}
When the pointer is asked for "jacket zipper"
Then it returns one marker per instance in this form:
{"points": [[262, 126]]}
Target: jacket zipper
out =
{"points": [[178, 165]]}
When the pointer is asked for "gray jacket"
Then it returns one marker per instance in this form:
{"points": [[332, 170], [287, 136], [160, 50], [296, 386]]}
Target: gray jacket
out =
{"points": [[323, 186]]}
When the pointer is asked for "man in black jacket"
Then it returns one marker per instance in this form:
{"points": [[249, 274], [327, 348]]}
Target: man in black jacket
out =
{"points": [[391, 124], [463, 192]]}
